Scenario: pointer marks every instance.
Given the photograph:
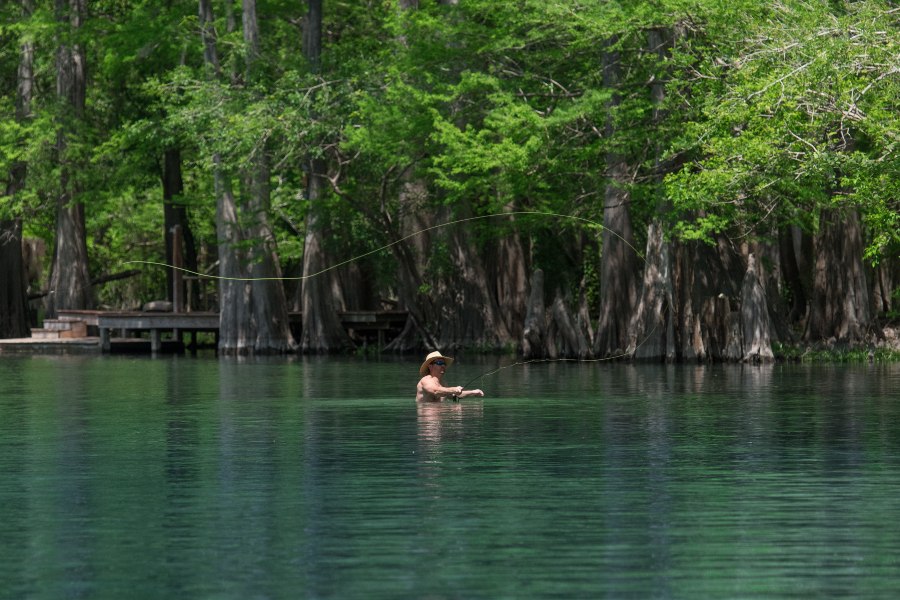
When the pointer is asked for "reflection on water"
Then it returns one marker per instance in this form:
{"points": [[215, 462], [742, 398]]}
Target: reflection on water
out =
{"points": [[442, 430], [148, 478]]}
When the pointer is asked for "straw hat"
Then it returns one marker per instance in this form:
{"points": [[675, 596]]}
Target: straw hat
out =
{"points": [[430, 359]]}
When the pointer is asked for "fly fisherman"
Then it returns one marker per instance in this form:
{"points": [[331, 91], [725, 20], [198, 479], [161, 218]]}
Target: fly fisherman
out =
{"points": [[430, 387]]}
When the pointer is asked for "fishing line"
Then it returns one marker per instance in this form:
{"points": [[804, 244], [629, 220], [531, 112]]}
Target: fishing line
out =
{"points": [[532, 361], [386, 246], [555, 360], [420, 232]]}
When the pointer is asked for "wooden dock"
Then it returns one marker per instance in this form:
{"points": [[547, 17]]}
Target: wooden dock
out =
{"points": [[95, 328]]}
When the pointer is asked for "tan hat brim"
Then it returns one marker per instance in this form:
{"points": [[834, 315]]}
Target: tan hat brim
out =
{"points": [[430, 359]]}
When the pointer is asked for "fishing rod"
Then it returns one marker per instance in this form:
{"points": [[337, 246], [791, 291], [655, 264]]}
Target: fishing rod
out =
{"points": [[542, 360], [536, 360]]}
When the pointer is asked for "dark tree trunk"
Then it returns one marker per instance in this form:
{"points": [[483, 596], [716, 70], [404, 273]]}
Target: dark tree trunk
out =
{"points": [[885, 277], [681, 315], [322, 330], [535, 323], [618, 260], [312, 34], [253, 316], [566, 336], [468, 311], [14, 288], [431, 322], [175, 215], [618, 267], [840, 309], [460, 307], [414, 223], [250, 27], [208, 35], [771, 277], [270, 325], [702, 275], [452, 298], [235, 336], [684, 312], [793, 278], [652, 330], [234, 293], [755, 323], [13, 297], [507, 269], [69, 280]]}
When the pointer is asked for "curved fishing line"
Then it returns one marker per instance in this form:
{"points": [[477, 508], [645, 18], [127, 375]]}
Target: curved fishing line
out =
{"points": [[537, 360], [426, 230], [386, 246], [578, 360]]}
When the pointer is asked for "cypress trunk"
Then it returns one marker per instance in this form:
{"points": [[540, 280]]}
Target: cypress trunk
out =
{"points": [[14, 321], [70, 285], [755, 323], [271, 325], [793, 279], [13, 298], [269, 322], [618, 261], [469, 313], [508, 273], [175, 215], [234, 293], [702, 275], [535, 322], [410, 256], [652, 329], [840, 309], [322, 330]]}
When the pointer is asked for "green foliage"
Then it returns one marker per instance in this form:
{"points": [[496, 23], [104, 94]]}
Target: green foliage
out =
{"points": [[801, 354], [771, 112], [801, 115]]}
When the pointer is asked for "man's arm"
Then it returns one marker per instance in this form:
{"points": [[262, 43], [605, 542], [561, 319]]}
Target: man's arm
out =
{"points": [[434, 388]]}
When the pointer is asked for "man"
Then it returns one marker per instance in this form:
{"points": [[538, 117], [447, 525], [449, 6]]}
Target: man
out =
{"points": [[430, 388]]}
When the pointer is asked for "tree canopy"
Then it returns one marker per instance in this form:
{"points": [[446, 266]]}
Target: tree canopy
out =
{"points": [[747, 119]]}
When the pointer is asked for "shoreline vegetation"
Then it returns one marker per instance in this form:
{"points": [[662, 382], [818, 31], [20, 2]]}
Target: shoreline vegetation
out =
{"points": [[668, 181], [881, 349], [884, 349]]}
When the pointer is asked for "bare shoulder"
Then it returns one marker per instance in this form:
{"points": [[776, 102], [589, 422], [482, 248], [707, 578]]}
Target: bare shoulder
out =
{"points": [[428, 382], [425, 389]]}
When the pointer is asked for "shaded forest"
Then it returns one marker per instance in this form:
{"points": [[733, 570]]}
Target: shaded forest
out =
{"points": [[673, 181]]}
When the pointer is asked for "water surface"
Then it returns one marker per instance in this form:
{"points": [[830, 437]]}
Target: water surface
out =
{"points": [[322, 478]]}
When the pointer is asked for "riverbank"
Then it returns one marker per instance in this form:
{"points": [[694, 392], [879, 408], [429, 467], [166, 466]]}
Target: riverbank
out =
{"points": [[883, 347], [879, 346]]}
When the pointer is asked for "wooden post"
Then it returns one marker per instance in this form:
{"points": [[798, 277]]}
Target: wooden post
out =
{"points": [[178, 274]]}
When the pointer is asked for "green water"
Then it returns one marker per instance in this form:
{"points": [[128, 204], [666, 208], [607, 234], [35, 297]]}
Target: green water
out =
{"points": [[321, 478]]}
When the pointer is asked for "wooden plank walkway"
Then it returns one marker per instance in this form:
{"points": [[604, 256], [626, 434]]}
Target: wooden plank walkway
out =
{"points": [[375, 327], [361, 323]]}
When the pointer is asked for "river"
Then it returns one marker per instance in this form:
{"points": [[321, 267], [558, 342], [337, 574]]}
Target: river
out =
{"points": [[315, 477]]}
